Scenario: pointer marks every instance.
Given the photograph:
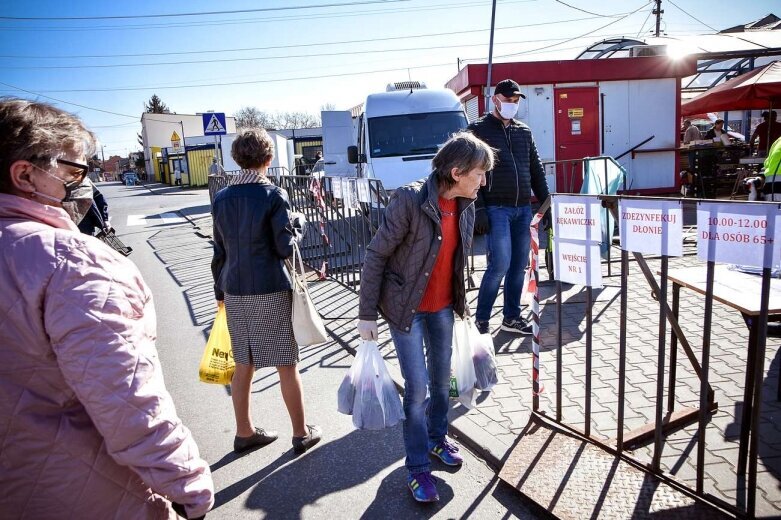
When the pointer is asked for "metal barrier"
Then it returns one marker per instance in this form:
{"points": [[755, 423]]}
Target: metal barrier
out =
{"points": [[343, 214], [666, 417]]}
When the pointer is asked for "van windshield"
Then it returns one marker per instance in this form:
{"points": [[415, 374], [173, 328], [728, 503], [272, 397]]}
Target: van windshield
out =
{"points": [[412, 134]]}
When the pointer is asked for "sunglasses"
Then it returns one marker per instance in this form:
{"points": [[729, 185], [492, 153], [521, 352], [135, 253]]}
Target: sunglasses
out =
{"points": [[81, 169]]}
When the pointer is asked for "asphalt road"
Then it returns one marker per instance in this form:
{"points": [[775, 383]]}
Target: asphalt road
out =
{"points": [[351, 474]]}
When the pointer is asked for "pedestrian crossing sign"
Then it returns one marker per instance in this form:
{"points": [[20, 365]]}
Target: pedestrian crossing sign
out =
{"points": [[214, 123]]}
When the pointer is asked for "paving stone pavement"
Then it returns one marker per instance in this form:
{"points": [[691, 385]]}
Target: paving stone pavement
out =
{"points": [[494, 425]]}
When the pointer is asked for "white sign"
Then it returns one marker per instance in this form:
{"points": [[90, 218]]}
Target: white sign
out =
{"points": [[349, 192], [576, 217], [364, 193], [578, 263], [651, 226], [336, 187], [743, 234]]}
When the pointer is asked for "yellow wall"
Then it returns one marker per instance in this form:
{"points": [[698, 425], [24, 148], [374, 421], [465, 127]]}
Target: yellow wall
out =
{"points": [[199, 162], [156, 174]]}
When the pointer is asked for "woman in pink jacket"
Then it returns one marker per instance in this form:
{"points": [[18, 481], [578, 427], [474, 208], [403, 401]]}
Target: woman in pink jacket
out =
{"points": [[87, 427]]}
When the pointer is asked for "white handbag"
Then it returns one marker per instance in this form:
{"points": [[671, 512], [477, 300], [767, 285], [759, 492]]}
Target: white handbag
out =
{"points": [[308, 327]]}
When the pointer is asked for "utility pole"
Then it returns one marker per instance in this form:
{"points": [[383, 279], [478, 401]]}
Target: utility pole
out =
{"points": [[490, 59], [658, 12]]}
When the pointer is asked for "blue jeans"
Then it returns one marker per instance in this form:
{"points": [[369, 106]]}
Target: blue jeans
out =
{"points": [[426, 382], [508, 254]]}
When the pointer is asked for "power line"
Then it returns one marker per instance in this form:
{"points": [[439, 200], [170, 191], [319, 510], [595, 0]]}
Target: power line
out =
{"points": [[588, 12], [239, 21], [319, 44], [577, 37], [643, 26], [692, 16], [260, 58], [204, 13]]}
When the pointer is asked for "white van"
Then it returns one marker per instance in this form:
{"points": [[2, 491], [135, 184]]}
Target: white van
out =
{"points": [[398, 133]]}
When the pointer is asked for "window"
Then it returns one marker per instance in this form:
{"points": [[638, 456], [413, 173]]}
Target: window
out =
{"points": [[412, 134]]}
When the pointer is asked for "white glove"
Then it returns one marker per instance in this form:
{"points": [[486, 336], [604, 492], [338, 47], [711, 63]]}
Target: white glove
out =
{"points": [[367, 330]]}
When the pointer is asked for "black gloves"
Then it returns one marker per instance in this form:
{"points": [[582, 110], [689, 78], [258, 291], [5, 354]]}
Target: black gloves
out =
{"points": [[482, 226]]}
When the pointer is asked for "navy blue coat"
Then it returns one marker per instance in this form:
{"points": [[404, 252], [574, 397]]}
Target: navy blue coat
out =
{"points": [[253, 235]]}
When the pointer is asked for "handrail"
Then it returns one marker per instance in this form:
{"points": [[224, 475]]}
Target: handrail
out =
{"points": [[635, 147]]}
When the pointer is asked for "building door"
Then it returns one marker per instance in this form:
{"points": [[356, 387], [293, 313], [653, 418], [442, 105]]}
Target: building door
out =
{"points": [[577, 134]]}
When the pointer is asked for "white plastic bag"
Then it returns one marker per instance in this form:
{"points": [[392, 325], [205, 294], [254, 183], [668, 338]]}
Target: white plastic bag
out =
{"points": [[368, 393], [483, 357], [462, 365]]}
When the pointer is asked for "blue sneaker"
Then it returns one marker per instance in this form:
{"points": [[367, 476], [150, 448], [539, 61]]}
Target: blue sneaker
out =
{"points": [[447, 452], [423, 486]]}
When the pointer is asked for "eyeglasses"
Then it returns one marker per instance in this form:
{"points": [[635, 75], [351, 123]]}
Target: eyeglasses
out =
{"points": [[82, 169]]}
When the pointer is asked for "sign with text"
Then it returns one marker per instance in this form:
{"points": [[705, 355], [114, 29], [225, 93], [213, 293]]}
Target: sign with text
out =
{"points": [[578, 263], [742, 234], [349, 193], [576, 217], [651, 226], [336, 187], [364, 192]]}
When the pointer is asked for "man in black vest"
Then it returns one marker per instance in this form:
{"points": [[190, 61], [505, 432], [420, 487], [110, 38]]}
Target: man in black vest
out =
{"points": [[503, 206]]}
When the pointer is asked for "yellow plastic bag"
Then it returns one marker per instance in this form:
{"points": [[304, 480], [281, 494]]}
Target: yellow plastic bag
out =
{"points": [[217, 365]]}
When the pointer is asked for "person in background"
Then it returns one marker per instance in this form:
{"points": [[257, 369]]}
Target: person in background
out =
{"points": [[89, 429], [504, 206], [716, 131], [690, 132], [413, 274], [216, 169], [96, 218], [761, 132], [177, 177], [253, 235]]}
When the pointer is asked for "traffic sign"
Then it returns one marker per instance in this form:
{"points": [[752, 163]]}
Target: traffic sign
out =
{"points": [[214, 123]]}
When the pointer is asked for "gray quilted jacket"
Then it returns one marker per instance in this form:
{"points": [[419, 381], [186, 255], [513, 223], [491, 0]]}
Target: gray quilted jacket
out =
{"points": [[402, 254]]}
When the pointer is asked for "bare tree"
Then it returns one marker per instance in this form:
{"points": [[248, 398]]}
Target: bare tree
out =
{"points": [[289, 120], [252, 117], [327, 107]]}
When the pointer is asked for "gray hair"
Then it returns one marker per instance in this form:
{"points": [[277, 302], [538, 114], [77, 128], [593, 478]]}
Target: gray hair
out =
{"points": [[39, 133], [462, 151], [252, 148]]}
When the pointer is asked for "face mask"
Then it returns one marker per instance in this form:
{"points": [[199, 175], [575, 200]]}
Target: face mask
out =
{"points": [[70, 187], [80, 202], [508, 110]]}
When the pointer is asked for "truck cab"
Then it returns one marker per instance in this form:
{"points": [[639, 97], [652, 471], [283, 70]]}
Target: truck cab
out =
{"points": [[400, 131]]}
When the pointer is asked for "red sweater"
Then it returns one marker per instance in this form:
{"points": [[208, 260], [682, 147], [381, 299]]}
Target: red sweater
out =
{"points": [[439, 290]]}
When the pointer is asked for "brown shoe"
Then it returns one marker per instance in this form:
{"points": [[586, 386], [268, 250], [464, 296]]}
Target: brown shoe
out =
{"points": [[301, 444], [260, 438]]}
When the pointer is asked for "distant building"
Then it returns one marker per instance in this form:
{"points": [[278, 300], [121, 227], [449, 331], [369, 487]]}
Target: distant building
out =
{"points": [[157, 131]]}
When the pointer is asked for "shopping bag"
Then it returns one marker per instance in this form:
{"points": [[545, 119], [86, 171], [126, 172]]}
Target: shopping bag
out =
{"points": [[483, 357], [368, 393], [462, 365], [217, 365], [308, 327]]}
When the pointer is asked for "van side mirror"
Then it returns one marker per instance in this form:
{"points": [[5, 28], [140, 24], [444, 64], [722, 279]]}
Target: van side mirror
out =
{"points": [[353, 157]]}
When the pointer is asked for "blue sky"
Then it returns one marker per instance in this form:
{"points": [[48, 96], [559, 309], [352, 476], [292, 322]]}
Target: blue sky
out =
{"points": [[290, 57]]}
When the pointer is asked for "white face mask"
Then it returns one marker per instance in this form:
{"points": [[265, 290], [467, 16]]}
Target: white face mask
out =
{"points": [[508, 110]]}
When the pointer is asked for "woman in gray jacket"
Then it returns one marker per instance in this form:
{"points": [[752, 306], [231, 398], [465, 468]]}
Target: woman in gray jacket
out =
{"points": [[413, 274]]}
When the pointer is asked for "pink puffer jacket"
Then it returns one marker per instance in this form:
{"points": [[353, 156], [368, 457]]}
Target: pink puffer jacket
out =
{"points": [[87, 427]]}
